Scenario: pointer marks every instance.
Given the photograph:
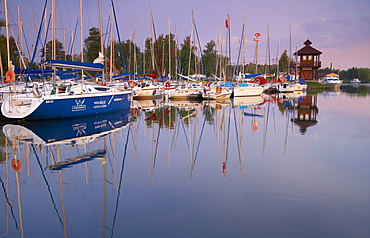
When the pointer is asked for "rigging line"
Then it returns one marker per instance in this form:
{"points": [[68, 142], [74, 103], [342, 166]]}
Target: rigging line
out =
{"points": [[43, 45], [286, 130], [200, 49], [120, 181], [119, 39], [186, 138], [25, 39], [74, 37], [47, 184], [10, 205], [175, 132], [200, 136], [111, 146], [228, 137], [237, 138], [240, 49], [266, 125], [38, 35], [156, 145], [106, 34]]}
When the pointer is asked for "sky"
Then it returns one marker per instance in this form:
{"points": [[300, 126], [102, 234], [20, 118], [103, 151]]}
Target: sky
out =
{"points": [[340, 29]]}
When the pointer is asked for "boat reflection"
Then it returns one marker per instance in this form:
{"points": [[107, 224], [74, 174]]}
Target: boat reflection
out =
{"points": [[73, 131]]}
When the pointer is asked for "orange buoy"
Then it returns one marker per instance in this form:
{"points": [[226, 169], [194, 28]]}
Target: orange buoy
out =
{"points": [[9, 76], [16, 164]]}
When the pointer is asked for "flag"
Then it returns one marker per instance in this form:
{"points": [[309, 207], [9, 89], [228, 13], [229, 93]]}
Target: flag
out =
{"points": [[227, 23]]}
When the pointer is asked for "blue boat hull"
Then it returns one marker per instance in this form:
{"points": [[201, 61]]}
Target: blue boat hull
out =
{"points": [[68, 107]]}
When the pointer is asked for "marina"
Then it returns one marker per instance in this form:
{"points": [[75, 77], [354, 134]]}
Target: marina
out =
{"points": [[277, 166], [119, 124]]}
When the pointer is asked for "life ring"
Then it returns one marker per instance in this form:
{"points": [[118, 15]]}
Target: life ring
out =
{"points": [[9, 76], [167, 85], [257, 81]]}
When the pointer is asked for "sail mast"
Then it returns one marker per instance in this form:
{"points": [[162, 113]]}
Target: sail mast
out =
{"points": [[7, 32], [101, 34], [169, 47], [81, 40], [53, 26]]}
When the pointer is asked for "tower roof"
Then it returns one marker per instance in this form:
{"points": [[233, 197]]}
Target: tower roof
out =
{"points": [[308, 50]]}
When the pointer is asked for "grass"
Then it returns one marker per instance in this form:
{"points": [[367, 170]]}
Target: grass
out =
{"points": [[315, 84]]}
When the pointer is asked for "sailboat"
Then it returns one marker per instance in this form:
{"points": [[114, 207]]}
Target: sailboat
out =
{"points": [[217, 91], [66, 101], [71, 99]]}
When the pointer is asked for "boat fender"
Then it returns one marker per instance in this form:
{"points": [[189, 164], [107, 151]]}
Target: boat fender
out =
{"points": [[9, 76]]}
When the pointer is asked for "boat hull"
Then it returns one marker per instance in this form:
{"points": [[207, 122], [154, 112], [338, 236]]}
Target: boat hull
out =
{"points": [[56, 107], [149, 93], [248, 91], [187, 93]]}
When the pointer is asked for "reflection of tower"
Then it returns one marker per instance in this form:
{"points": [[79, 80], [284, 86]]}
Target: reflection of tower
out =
{"points": [[305, 113]]}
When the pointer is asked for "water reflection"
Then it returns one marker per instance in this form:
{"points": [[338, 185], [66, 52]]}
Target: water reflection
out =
{"points": [[72, 131], [165, 166]]}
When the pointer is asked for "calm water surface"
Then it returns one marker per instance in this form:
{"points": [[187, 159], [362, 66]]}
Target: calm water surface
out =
{"points": [[254, 167]]}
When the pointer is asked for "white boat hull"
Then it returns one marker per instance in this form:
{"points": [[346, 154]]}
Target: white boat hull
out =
{"points": [[242, 91]]}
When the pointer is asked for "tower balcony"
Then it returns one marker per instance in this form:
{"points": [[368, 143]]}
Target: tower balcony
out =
{"points": [[315, 65]]}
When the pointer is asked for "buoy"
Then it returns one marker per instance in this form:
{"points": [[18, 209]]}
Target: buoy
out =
{"points": [[9, 76]]}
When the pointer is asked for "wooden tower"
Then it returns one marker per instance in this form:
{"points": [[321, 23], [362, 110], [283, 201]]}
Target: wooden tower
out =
{"points": [[309, 62]]}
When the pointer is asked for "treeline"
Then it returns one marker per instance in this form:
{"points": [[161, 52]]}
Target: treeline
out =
{"points": [[163, 55], [362, 74]]}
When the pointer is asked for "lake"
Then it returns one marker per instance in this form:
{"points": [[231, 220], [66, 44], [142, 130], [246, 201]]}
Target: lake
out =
{"points": [[273, 166]]}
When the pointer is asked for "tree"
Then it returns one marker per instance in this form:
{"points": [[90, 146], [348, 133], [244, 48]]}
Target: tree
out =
{"points": [[92, 45], [59, 50], [13, 51], [2, 23], [209, 56], [283, 62], [364, 74], [186, 52]]}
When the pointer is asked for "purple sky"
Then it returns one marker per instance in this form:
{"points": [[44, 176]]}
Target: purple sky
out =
{"points": [[338, 28]]}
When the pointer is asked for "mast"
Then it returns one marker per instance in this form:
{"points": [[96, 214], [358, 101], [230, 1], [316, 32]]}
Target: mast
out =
{"points": [[101, 34], [290, 48], [45, 31], [135, 57], [7, 33], [169, 47], [111, 50], [228, 23], [244, 42], [73, 45], [176, 47], [53, 26], [20, 36], [190, 46], [81, 40], [1, 70], [268, 48], [153, 39]]}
